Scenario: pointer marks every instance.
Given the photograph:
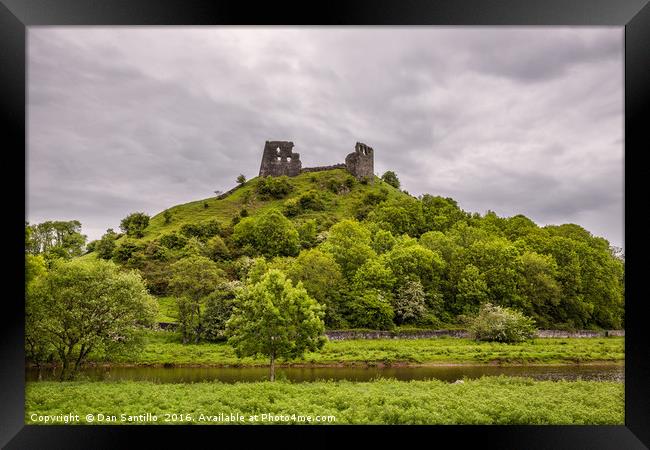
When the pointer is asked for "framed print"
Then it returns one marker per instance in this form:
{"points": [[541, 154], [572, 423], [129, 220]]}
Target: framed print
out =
{"points": [[397, 216]]}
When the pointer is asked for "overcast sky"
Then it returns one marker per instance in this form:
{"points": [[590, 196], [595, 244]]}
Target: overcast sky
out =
{"points": [[515, 120]]}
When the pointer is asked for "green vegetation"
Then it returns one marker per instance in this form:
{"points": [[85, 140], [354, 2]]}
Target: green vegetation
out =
{"points": [[396, 259], [273, 318], [390, 177], [166, 348], [83, 307], [494, 323], [489, 400], [54, 239], [134, 224]]}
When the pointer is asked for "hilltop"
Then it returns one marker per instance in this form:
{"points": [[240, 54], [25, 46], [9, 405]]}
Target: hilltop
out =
{"points": [[339, 201]]}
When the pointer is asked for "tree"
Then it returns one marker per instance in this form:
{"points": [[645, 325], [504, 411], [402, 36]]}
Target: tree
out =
{"points": [[409, 302], [80, 307], [216, 249], [270, 234], [241, 179], [193, 279], [495, 323], [167, 217], [321, 277], [390, 177], [219, 306], [55, 239], [472, 290], [349, 243], [539, 287], [134, 224], [370, 309], [106, 245], [275, 319]]}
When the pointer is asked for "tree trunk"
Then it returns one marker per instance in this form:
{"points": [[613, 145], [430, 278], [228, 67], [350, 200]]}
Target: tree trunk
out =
{"points": [[273, 366]]}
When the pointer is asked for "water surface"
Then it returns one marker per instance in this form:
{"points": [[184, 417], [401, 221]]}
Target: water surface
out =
{"points": [[600, 372]]}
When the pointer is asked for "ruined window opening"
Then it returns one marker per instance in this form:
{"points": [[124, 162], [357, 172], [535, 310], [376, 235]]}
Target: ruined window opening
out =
{"points": [[289, 159], [277, 150], [279, 158]]}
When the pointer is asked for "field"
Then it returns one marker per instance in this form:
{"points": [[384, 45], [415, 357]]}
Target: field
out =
{"points": [[489, 400], [165, 348]]}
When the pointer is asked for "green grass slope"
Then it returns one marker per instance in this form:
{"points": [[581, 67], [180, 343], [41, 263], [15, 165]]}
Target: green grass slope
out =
{"points": [[338, 206]]}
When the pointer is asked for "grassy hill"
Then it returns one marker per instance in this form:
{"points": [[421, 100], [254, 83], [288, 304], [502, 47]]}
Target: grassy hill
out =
{"points": [[339, 201]]}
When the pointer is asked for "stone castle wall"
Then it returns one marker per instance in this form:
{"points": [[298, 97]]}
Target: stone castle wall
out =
{"points": [[279, 159]]}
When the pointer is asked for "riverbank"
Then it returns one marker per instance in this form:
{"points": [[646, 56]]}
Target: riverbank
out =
{"points": [[164, 349], [489, 400]]}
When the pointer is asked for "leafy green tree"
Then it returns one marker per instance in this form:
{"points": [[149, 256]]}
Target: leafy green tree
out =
{"points": [[413, 261], [80, 307], [539, 286], [275, 319], [409, 304], [499, 324], [167, 217], [440, 213], [382, 241], [219, 306], [241, 179], [193, 279], [349, 243], [391, 178], [62, 239], [472, 291], [321, 277], [270, 234], [375, 274], [307, 234], [106, 245], [134, 224], [216, 249], [499, 261], [370, 309], [129, 250]]}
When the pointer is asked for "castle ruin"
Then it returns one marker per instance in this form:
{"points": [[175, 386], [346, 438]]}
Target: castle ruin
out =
{"points": [[279, 159]]}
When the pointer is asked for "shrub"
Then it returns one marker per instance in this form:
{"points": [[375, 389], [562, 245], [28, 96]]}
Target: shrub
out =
{"points": [[173, 241], [499, 324], [201, 231], [273, 187]]}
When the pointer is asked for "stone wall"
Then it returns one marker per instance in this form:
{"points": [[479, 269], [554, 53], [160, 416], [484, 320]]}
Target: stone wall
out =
{"points": [[279, 159], [321, 168], [342, 335], [337, 335], [360, 163]]}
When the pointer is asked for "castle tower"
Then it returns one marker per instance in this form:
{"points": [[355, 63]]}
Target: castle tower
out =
{"points": [[361, 163], [278, 159]]}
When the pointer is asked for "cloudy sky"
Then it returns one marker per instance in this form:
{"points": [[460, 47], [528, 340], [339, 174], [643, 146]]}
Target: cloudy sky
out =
{"points": [[515, 120]]}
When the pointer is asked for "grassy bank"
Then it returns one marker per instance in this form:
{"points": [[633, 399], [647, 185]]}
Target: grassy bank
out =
{"points": [[165, 348], [490, 400]]}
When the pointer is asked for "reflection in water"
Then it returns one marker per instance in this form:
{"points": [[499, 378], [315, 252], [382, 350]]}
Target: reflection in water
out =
{"points": [[606, 372]]}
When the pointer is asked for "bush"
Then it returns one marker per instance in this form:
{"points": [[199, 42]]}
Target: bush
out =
{"points": [[201, 231], [273, 187], [495, 323], [173, 241]]}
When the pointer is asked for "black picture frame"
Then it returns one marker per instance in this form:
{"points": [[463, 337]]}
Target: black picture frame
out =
{"points": [[634, 15]]}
